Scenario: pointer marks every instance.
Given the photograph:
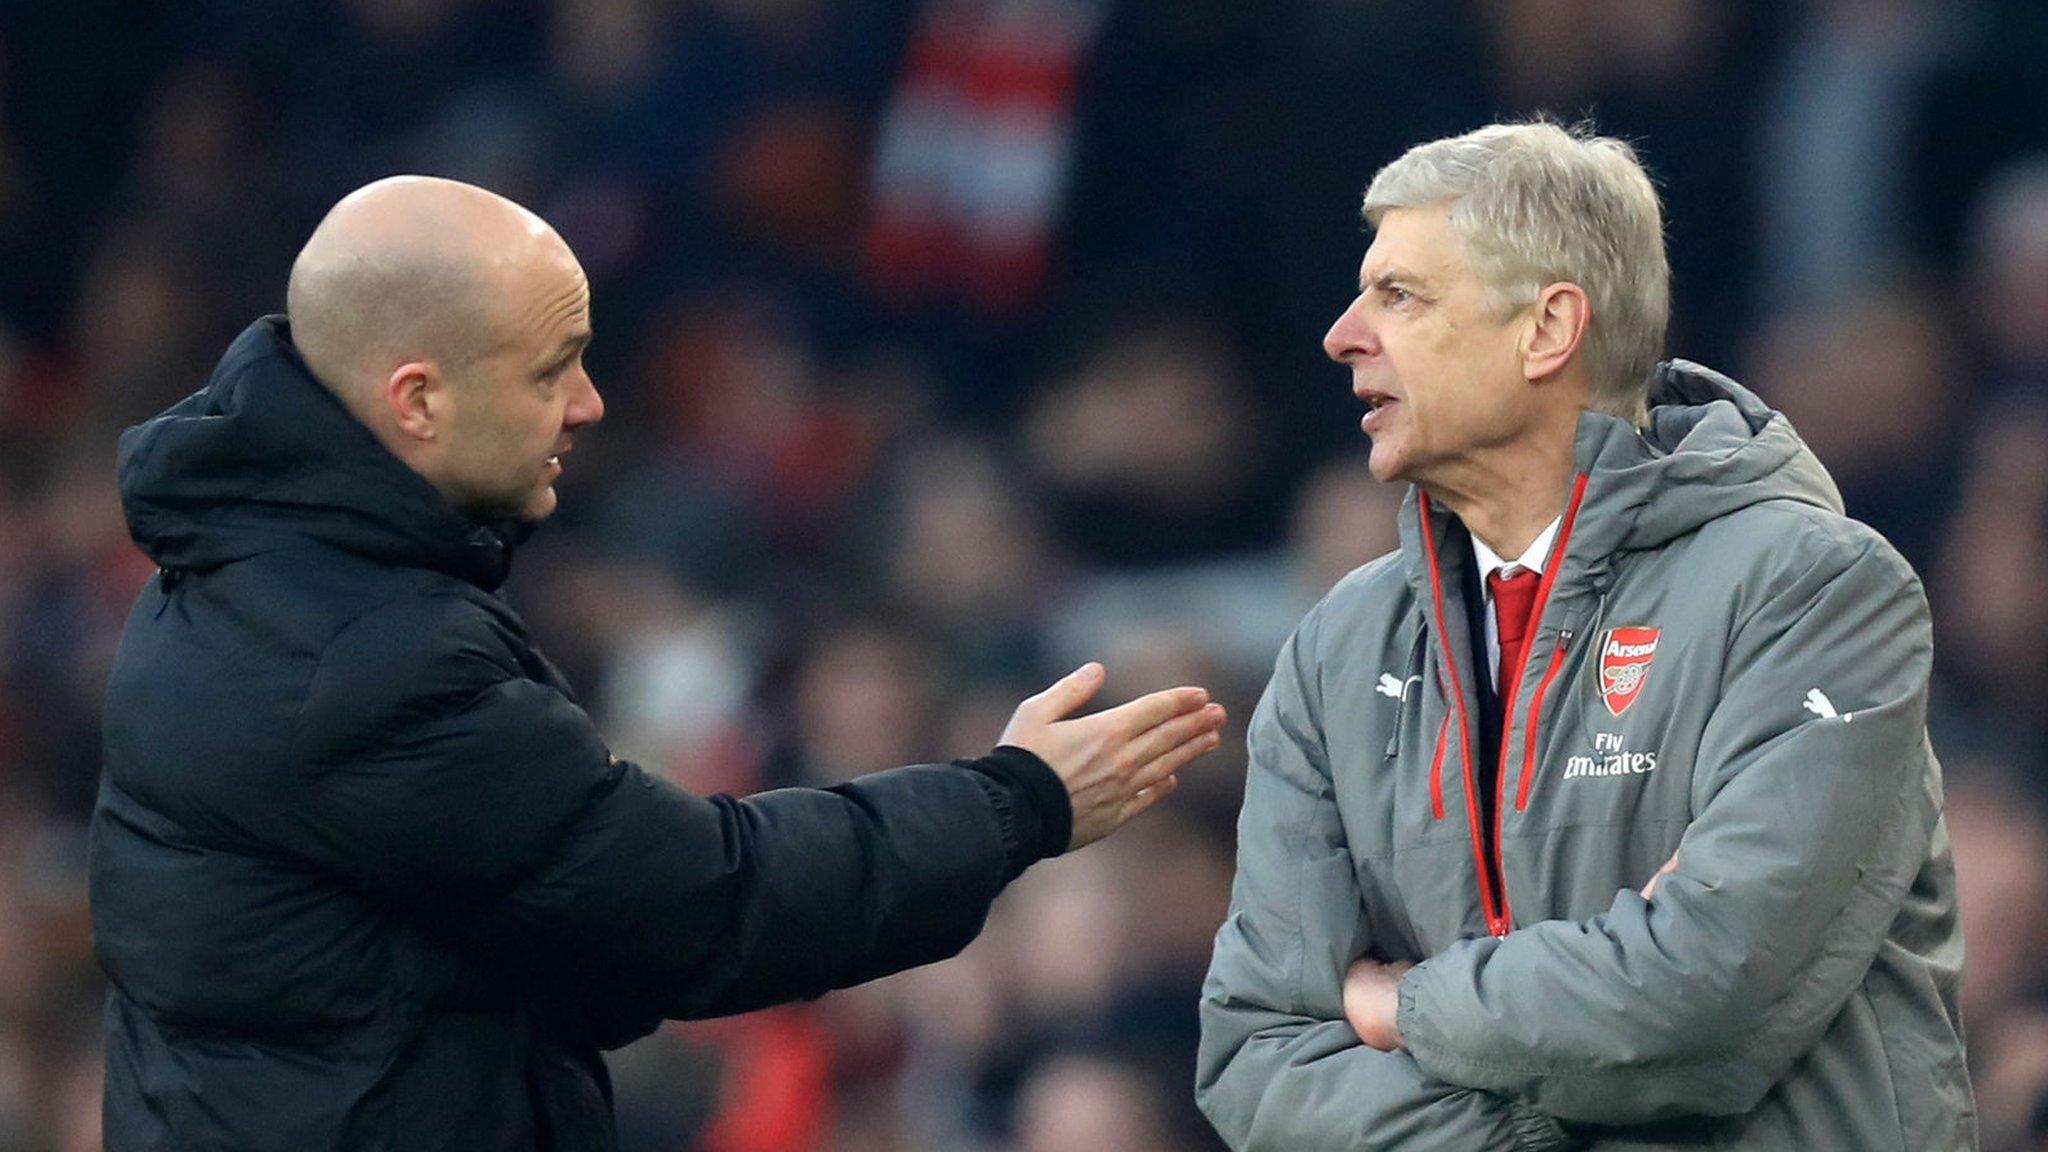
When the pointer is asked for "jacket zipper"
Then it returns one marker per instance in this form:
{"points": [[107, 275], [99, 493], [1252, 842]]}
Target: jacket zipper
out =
{"points": [[1564, 643], [1436, 768], [1455, 704], [1505, 921], [1492, 874]]}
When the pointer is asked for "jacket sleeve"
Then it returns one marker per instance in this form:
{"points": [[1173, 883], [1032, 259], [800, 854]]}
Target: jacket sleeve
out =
{"points": [[658, 903], [1810, 827], [1279, 1066], [484, 805]]}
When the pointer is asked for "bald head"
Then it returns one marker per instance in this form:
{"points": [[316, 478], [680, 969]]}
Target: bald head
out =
{"points": [[413, 268], [452, 322]]}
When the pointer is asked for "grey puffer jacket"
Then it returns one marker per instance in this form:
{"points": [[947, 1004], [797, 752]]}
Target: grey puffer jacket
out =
{"points": [[1724, 666]]}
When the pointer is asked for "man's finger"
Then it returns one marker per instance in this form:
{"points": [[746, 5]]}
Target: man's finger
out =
{"points": [[1157, 742], [1147, 797], [1171, 761], [1147, 712], [1670, 866], [1066, 693]]}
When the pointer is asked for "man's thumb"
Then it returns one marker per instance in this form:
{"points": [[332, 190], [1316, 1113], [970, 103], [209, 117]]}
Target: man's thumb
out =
{"points": [[1070, 691]]}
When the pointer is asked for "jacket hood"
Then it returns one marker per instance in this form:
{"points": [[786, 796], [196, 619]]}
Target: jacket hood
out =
{"points": [[1711, 447], [265, 455]]}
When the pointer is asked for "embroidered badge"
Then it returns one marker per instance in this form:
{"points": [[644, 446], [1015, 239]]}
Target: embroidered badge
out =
{"points": [[1625, 655]]}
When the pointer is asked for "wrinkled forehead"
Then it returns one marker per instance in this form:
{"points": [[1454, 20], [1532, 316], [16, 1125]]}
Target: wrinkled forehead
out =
{"points": [[1417, 242]]}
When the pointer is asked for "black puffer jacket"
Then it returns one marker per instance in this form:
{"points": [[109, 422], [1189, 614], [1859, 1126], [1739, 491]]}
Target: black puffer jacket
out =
{"points": [[364, 875]]}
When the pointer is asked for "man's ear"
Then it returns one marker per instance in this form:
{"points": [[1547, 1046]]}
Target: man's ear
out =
{"points": [[1556, 326], [416, 394]]}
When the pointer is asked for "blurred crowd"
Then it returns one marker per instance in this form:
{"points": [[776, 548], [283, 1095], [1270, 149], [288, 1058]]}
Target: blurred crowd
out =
{"points": [[949, 343]]}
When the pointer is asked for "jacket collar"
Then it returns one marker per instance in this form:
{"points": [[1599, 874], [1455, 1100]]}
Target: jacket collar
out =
{"points": [[1710, 447]]}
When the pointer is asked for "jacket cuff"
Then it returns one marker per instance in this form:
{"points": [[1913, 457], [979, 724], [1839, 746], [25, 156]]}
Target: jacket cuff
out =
{"points": [[1032, 810], [1534, 1131], [1538, 1132]]}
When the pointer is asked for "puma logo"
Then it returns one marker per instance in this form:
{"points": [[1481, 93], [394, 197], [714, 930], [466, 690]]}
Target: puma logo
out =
{"points": [[1393, 687], [1817, 702]]}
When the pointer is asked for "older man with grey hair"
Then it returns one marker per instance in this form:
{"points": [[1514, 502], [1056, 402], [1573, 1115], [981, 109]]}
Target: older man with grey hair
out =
{"points": [[1602, 813]]}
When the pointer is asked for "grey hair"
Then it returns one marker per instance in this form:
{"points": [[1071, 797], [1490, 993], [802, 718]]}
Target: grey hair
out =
{"points": [[1539, 203]]}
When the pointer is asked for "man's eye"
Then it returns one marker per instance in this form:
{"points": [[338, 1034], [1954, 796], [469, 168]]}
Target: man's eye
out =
{"points": [[1396, 294]]}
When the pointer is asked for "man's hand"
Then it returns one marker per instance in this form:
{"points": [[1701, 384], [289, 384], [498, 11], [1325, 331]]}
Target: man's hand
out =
{"points": [[1371, 989], [1371, 1000], [1670, 866], [1117, 763]]}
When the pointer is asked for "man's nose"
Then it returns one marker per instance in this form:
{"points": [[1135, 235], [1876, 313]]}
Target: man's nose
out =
{"points": [[1350, 335], [586, 407]]}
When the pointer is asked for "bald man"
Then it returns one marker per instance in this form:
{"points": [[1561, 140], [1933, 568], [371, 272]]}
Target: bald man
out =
{"points": [[364, 875]]}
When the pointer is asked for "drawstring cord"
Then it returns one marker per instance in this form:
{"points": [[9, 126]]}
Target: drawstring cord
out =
{"points": [[166, 580], [1414, 676]]}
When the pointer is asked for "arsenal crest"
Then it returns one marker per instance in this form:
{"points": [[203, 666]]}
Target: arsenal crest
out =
{"points": [[1625, 655]]}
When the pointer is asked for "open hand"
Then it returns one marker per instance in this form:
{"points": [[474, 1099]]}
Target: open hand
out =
{"points": [[1118, 762]]}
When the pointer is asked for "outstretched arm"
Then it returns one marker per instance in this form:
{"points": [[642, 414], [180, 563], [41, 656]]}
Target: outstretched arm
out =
{"points": [[483, 805]]}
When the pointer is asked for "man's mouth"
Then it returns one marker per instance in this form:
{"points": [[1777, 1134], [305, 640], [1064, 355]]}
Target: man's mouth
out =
{"points": [[1379, 406]]}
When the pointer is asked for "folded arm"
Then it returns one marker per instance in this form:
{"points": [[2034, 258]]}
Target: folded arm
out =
{"points": [[1815, 806], [1279, 1068]]}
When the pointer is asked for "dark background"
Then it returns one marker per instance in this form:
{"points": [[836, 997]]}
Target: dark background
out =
{"points": [[947, 344]]}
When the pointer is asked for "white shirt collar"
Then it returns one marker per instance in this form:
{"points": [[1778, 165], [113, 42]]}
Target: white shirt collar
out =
{"points": [[1533, 559]]}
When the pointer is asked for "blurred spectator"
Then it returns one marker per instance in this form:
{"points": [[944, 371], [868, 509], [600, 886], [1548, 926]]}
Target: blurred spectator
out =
{"points": [[1991, 624], [2010, 289], [78, 576], [970, 168], [1082, 1102], [863, 701], [1835, 139], [137, 329], [1342, 519], [671, 673], [1151, 452], [790, 183], [1238, 610], [968, 557], [1876, 387], [746, 451], [2012, 1092], [2001, 849]]}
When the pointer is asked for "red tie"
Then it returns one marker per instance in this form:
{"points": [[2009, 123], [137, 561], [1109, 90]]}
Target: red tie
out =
{"points": [[1513, 596]]}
